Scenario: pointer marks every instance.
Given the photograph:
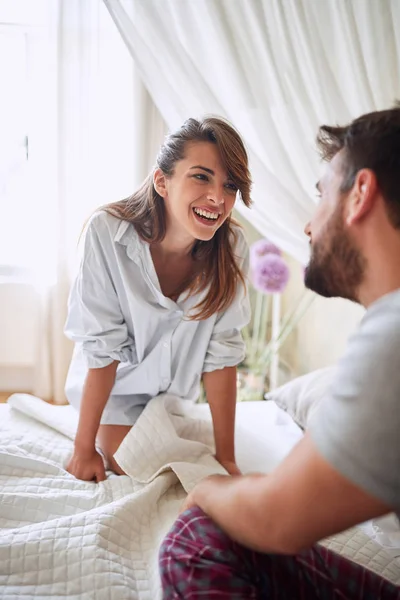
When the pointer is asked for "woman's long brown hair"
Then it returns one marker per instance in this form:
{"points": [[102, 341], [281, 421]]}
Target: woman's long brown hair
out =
{"points": [[217, 269]]}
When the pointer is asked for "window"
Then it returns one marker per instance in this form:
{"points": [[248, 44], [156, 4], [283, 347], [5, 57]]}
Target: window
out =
{"points": [[23, 31], [71, 122], [14, 142]]}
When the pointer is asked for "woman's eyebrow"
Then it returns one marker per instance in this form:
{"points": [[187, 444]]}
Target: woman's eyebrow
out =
{"points": [[203, 169]]}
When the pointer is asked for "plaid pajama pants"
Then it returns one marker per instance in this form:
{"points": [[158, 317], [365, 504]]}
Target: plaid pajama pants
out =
{"points": [[198, 561]]}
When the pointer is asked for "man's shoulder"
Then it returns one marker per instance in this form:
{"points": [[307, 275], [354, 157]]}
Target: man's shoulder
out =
{"points": [[387, 305], [381, 322], [371, 360]]}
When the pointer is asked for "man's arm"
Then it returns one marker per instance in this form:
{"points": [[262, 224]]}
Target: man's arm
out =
{"points": [[300, 503]]}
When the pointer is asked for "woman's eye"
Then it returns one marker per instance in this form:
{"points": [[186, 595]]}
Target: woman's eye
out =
{"points": [[232, 187], [201, 177]]}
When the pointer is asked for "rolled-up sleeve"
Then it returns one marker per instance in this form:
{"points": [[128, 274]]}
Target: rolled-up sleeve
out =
{"points": [[94, 317], [226, 347]]}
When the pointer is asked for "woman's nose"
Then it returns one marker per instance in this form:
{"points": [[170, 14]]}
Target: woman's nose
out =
{"points": [[216, 195]]}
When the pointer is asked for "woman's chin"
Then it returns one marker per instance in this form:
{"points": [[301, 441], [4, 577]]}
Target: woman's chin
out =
{"points": [[205, 236], [204, 231]]}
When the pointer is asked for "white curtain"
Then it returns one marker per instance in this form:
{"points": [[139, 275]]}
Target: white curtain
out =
{"points": [[96, 131], [277, 69]]}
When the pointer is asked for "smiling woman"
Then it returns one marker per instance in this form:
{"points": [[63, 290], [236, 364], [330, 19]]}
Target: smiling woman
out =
{"points": [[200, 169], [206, 213], [160, 297], [196, 194]]}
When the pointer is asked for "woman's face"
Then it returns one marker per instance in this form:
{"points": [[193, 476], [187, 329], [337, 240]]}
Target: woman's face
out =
{"points": [[199, 196]]}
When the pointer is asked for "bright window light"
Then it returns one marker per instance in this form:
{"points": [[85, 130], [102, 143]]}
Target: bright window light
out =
{"points": [[14, 148]]}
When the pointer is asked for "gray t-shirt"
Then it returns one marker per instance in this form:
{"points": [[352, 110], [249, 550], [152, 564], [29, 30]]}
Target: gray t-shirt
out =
{"points": [[357, 427]]}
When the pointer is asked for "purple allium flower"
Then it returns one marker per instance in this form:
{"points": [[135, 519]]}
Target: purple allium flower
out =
{"points": [[271, 274], [262, 248]]}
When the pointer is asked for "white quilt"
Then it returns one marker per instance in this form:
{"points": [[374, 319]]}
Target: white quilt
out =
{"points": [[61, 537]]}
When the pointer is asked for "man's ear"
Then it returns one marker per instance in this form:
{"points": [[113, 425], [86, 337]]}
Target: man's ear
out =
{"points": [[160, 183], [362, 196]]}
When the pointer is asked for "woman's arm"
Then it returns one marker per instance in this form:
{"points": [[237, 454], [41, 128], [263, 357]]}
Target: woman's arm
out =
{"points": [[226, 349], [220, 388], [86, 463]]}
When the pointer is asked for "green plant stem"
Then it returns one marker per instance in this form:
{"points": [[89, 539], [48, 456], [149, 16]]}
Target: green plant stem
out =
{"points": [[264, 322], [256, 327], [273, 346]]}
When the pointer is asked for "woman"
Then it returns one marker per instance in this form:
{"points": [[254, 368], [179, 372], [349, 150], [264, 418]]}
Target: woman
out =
{"points": [[160, 297]]}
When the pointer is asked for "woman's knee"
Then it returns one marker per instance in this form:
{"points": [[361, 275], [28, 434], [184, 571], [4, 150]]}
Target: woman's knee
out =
{"points": [[109, 439]]}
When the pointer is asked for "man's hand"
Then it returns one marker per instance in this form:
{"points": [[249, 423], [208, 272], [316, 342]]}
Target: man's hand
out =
{"points": [[87, 465], [189, 502], [191, 499], [229, 465]]}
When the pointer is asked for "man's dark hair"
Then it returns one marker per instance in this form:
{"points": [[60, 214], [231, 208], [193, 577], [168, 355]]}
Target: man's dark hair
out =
{"points": [[370, 142]]}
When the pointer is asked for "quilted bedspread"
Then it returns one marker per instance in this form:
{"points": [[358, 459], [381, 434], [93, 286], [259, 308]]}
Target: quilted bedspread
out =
{"points": [[61, 537]]}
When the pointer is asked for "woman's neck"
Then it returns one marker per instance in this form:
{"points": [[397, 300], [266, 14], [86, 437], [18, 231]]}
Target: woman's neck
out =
{"points": [[175, 245]]}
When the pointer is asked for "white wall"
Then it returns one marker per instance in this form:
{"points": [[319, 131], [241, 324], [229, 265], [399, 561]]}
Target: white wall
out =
{"points": [[323, 332], [321, 335]]}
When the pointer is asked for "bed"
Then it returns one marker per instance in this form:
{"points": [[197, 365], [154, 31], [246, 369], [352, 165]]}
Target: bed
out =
{"points": [[61, 537]]}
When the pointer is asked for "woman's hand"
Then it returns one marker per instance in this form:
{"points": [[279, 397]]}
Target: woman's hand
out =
{"points": [[229, 465], [87, 465]]}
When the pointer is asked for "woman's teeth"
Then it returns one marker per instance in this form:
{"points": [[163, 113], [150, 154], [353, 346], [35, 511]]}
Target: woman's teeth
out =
{"points": [[206, 214]]}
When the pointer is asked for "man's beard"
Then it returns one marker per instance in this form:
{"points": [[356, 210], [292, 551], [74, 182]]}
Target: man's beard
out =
{"points": [[336, 267]]}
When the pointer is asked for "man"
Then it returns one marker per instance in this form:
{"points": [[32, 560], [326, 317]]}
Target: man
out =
{"points": [[255, 536]]}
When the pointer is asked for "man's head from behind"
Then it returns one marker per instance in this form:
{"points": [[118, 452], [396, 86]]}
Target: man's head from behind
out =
{"points": [[360, 201]]}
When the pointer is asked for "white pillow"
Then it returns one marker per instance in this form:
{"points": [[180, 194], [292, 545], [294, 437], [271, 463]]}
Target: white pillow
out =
{"points": [[301, 396]]}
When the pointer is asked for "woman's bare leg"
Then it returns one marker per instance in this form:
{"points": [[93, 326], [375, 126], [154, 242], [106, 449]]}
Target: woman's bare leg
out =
{"points": [[109, 439]]}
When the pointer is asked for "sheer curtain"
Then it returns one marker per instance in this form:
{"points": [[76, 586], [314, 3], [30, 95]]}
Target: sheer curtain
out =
{"points": [[96, 139], [277, 69]]}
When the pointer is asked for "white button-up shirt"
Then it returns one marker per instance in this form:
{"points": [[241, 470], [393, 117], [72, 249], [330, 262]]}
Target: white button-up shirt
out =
{"points": [[118, 312]]}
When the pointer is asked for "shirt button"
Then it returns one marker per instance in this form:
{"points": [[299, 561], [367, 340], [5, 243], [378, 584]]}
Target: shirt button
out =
{"points": [[165, 344]]}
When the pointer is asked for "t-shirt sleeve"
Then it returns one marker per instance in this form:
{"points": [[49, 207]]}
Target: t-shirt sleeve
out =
{"points": [[226, 347], [357, 428]]}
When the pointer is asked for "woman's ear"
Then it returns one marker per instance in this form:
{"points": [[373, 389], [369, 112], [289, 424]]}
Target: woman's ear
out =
{"points": [[160, 183]]}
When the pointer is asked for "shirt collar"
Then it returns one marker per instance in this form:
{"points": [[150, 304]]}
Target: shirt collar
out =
{"points": [[127, 236]]}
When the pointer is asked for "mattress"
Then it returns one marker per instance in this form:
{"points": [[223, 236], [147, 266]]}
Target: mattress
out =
{"points": [[60, 537]]}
